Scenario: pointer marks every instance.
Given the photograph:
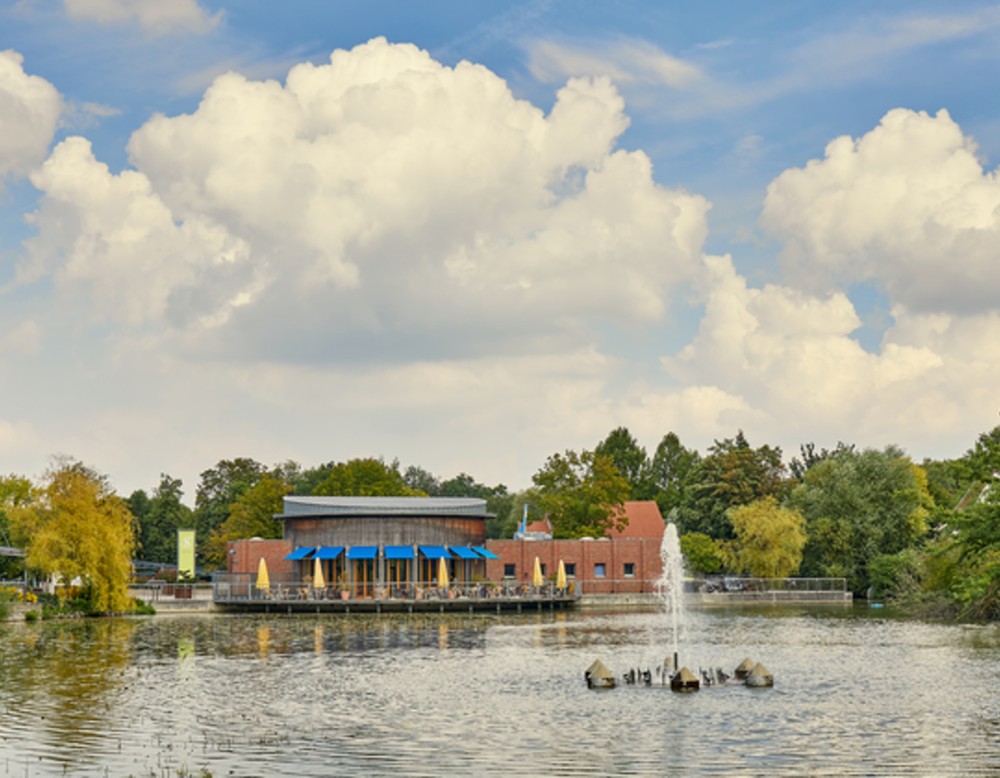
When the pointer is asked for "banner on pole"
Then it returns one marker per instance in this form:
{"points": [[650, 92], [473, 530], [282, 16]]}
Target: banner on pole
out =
{"points": [[185, 553]]}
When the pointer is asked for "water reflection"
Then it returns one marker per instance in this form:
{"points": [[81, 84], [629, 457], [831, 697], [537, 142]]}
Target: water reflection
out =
{"points": [[433, 695]]}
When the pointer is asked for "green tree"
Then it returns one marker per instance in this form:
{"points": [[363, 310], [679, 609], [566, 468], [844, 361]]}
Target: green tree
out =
{"points": [[218, 489], [251, 516], [670, 471], [308, 480], [984, 457], [368, 477], [160, 518], [421, 480], [975, 579], [75, 526], [733, 474], [859, 505], [630, 459], [769, 539], [582, 494], [701, 553]]}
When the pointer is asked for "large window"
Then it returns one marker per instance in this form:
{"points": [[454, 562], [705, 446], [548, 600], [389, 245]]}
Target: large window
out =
{"points": [[600, 570]]}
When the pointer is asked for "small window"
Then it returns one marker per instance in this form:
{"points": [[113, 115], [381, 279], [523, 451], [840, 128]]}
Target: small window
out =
{"points": [[571, 570], [630, 569], [543, 569], [599, 570], [509, 570]]}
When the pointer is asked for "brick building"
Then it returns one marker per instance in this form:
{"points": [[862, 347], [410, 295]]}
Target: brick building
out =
{"points": [[625, 562], [401, 540]]}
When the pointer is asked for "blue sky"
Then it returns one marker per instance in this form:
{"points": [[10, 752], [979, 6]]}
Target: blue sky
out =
{"points": [[468, 235]]}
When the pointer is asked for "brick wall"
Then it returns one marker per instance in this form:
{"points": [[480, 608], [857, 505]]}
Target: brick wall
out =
{"points": [[589, 559], [244, 556]]}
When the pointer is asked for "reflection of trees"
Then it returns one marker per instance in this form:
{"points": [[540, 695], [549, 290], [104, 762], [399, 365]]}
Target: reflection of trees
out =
{"points": [[67, 674]]}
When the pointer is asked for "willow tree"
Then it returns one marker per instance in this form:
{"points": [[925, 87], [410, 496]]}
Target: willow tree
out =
{"points": [[76, 527], [769, 539]]}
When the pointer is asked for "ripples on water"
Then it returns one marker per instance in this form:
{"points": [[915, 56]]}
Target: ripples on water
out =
{"points": [[447, 696]]}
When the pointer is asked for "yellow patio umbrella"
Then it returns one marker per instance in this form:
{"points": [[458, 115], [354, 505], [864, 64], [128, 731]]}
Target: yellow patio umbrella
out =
{"points": [[319, 582], [561, 576], [263, 579], [442, 573], [537, 579]]}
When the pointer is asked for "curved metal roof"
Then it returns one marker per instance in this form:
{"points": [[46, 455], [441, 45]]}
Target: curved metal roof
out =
{"points": [[384, 506]]}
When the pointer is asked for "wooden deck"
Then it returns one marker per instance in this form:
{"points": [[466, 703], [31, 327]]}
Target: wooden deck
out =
{"points": [[298, 597]]}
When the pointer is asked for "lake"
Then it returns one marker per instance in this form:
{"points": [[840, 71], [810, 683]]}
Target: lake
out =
{"points": [[857, 692]]}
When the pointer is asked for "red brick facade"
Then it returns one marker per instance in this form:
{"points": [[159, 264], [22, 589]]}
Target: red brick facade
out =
{"points": [[628, 562], [244, 556]]}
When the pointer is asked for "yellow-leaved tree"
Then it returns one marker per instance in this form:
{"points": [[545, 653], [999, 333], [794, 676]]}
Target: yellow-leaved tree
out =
{"points": [[76, 527], [769, 539]]}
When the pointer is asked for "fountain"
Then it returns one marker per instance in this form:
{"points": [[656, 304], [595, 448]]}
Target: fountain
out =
{"points": [[669, 587]]}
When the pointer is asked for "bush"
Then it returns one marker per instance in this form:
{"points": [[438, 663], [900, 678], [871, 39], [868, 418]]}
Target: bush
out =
{"points": [[142, 608]]}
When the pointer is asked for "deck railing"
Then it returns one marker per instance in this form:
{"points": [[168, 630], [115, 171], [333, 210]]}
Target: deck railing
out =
{"points": [[243, 587]]}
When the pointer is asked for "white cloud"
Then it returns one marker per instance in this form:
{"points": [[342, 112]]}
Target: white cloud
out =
{"points": [[624, 61], [29, 112], [110, 239], [381, 206], [24, 338], [907, 205], [157, 17], [790, 358]]}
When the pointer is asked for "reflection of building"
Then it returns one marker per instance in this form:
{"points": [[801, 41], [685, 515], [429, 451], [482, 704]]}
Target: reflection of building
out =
{"points": [[624, 562]]}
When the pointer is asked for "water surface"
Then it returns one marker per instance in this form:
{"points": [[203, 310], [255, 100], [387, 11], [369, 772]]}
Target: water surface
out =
{"points": [[856, 692]]}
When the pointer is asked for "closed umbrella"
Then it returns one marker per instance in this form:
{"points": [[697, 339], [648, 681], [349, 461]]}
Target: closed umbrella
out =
{"points": [[263, 579], [561, 576], [319, 582], [537, 579], [442, 573]]}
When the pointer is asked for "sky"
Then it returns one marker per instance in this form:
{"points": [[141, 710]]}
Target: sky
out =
{"points": [[467, 236]]}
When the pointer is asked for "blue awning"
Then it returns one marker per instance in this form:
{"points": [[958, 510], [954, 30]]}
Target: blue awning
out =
{"points": [[302, 552], [399, 552], [485, 552], [463, 552], [328, 552], [435, 552], [362, 552]]}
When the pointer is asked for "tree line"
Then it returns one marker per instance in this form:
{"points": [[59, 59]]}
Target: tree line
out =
{"points": [[926, 534]]}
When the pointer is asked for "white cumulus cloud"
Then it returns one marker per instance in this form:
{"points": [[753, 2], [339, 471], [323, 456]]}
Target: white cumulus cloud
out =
{"points": [[907, 205], [382, 205], [29, 113]]}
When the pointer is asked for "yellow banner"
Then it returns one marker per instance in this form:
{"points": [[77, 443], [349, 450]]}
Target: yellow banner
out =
{"points": [[185, 553]]}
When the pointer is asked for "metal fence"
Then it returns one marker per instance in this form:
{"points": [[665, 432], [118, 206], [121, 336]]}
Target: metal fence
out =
{"points": [[734, 585]]}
